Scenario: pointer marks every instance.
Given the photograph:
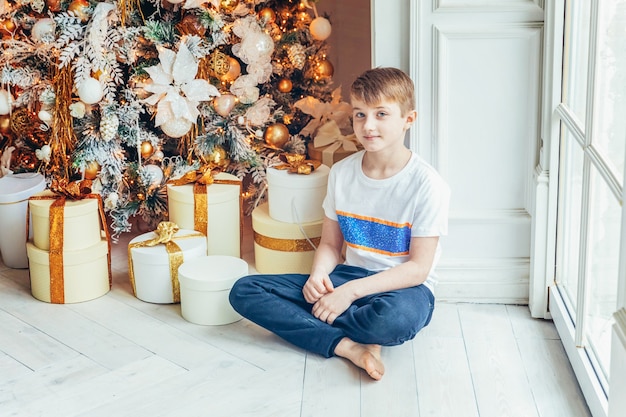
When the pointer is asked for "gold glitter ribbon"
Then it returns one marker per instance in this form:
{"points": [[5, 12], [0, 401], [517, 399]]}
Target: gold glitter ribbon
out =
{"points": [[64, 191], [286, 245], [297, 164], [201, 180], [164, 235]]}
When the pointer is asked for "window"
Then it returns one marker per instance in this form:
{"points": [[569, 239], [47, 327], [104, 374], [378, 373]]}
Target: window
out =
{"points": [[592, 115]]}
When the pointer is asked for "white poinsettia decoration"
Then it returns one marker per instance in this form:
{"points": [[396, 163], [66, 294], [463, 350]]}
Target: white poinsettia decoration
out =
{"points": [[175, 90]]}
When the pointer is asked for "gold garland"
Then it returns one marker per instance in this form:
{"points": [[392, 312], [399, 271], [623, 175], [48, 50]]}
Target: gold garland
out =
{"points": [[63, 139], [127, 7]]}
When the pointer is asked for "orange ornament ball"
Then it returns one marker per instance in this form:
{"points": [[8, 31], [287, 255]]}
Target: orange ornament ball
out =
{"points": [[276, 135], [229, 5], [267, 14], [80, 9], [325, 69], [91, 170], [146, 149], [285, 85], [5, 124], [234, 70]]}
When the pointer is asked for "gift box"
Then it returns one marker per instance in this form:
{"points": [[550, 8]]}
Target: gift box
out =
{"points": [[153, 267], [330, 146], [205, 284], [81, 222], [295, 198], [214, 211], [281, 247], [15, 190], [82, 275]]}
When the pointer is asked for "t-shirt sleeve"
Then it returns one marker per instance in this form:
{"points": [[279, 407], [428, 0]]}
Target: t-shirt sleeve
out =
{"points": [[329, 201], [431, 215]]}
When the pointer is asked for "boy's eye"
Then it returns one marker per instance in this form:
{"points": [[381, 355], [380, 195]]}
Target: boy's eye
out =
{"points": [[359, 115], [382, 114]]}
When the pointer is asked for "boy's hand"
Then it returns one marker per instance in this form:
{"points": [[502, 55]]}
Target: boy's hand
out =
{"points": [[332, 305], [316, 286]]}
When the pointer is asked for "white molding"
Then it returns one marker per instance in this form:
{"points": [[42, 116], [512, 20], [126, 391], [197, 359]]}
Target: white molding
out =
{"points": [[487, 280], [483, 6], [490, 216], [587, 379], [538, 280], [617, 397]]}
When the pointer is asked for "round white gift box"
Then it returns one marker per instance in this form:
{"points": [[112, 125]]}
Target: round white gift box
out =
{"points": [[205, 284], [151, 267], [297, 198], [14, 193], [85, 273], [81, 222], [224, 222]]}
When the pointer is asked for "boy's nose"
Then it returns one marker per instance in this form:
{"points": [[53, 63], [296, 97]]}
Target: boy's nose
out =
{"points": [[369, 124]]}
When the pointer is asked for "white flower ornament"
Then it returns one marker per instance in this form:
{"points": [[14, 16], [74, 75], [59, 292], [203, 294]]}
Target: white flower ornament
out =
{"points": [[175, 90]]}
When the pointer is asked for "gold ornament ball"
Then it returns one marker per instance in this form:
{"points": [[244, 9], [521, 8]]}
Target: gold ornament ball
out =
{"points": [[219, 63], [267, 14], [146, 149], [91, 170], [219, 157], [325, 68], [276, 135], [285, 85], [22, 121], [229, 5]]}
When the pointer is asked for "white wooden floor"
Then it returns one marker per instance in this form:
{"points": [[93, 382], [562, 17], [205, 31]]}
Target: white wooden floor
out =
{"points": [[119, 356]]}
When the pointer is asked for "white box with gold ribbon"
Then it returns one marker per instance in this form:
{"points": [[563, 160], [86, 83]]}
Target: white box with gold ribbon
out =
{"points": [[297, 198], [82, 224], [153, 270], [221, 217], [81, 275], [280, 247]]}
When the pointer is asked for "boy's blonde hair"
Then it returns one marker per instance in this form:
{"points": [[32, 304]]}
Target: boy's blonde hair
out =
{"points": [[385, 84]]}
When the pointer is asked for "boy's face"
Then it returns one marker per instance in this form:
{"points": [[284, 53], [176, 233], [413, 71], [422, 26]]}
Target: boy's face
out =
{"points": [[381, 126]]}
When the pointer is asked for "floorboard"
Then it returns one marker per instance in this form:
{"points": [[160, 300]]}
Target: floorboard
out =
{"points": [[119, 356]]}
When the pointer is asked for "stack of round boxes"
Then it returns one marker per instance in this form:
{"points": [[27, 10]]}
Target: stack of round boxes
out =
{"points": [[84, 273], [287, 228]]}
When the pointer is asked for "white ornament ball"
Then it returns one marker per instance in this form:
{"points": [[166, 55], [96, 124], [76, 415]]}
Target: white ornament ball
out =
{"points": [[43, 30], [45, 116], [159, 155], [224, 104], [241, 120], [90, 91], [6, 102], [155, 172], [176, 128], [320, 28]]}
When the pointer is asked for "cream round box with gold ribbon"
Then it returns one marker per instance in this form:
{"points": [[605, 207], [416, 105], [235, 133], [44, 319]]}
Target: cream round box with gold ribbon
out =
{"points": [[297, 198], [82, 275], [220, 218], [153, 268], [282, 248], [81, 222]]}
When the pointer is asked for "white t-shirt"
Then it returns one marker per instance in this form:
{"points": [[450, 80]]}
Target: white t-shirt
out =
{"points": [[378, 218]]}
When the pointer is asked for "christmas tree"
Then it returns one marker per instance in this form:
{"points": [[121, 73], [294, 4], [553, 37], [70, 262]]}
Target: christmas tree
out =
{"points": [[133, 93]]}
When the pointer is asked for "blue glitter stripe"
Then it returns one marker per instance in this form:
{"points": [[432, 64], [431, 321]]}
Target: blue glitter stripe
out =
{"points": [[375, 236]]}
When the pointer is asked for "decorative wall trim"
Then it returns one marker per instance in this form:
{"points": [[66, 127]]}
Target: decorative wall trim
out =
{"points": [[488, 5]]}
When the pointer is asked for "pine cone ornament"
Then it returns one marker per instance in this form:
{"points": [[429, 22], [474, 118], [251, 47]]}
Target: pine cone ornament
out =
{"points": [[297, 56], [108, 126]]}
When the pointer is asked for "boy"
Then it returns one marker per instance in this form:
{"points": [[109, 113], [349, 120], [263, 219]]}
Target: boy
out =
{"points": [[390, 207]]}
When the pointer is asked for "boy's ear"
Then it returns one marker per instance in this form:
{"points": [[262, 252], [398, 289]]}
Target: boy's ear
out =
{"points": [[411, 117]]}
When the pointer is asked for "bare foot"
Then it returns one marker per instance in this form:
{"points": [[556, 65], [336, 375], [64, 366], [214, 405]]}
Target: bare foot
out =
{"points": [[366, 357]]}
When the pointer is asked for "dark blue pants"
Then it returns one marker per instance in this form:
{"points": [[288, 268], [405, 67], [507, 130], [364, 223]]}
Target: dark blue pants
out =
{"points": [[276, 303]]}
